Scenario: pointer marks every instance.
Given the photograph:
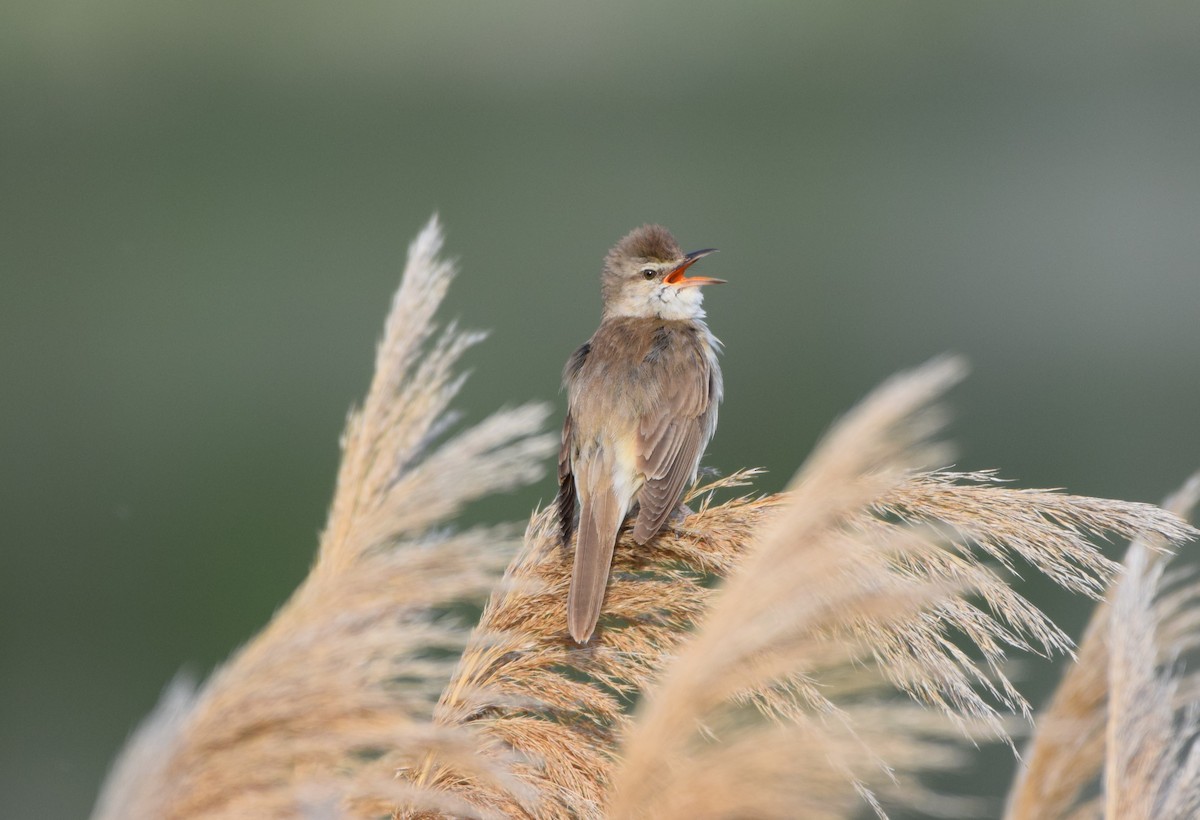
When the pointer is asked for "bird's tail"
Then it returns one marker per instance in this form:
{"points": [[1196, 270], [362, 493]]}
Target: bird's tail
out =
{"points": [[600, 519]]}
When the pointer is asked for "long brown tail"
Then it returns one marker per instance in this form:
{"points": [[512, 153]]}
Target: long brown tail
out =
{"points": [[599, 520]]}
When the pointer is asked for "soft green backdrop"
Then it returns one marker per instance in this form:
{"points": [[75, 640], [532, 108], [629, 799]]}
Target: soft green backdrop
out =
{"points": [[204, 207]]}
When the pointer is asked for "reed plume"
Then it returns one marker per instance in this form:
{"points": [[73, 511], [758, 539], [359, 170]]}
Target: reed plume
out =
{"points": [[320, 709], [872, 567], [807, 654], [1116, 739], [524, 686]]}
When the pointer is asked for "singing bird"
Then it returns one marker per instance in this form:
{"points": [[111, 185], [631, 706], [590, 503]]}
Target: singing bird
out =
{"points": [[642, 398]]}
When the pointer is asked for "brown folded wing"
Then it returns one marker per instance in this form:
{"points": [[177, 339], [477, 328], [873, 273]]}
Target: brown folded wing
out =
{"points": [[671, 440], [565, 502]]}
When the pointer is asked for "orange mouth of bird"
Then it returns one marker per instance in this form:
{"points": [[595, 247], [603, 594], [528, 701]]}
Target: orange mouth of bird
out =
{"points": [[678, 278]]}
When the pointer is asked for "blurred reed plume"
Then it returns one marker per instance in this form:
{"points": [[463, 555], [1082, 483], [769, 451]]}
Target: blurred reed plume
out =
{"points": [[1117, 739], [807, 654], [319, 710]]}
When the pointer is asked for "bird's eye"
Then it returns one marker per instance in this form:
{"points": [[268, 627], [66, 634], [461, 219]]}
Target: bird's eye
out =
{"points": [[649, 273]]}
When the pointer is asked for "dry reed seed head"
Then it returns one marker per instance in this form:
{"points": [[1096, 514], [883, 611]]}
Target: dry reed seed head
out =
{"points": [[756, 775], [884, 561], [1152, 762], [713, 665], [521, 672], [1068, 751], [321, 708], [396, 478]]}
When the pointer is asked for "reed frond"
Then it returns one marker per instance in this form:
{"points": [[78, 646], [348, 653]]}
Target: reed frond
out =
{"points": [[523, 686], [319, 710], [873, 566], [1061, 773], [1152, 761]]}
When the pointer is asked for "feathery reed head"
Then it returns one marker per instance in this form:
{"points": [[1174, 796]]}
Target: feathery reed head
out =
{"points": [[858, 585], [1121, 708], [320, 708]]}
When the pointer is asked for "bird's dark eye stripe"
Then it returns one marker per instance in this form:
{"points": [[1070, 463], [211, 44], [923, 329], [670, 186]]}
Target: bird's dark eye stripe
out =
{"points": [[649, 273]]}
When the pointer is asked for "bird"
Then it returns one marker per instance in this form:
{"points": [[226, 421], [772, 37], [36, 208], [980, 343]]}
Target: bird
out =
{"points": [[642, 397]]}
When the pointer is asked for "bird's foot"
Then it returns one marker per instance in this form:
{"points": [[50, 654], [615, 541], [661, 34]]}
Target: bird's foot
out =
{"points": [[681, 512], [676, 519]]}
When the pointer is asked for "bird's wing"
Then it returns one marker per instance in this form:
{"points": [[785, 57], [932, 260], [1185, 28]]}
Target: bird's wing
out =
{"points": [[671, 440], [565, 502]]}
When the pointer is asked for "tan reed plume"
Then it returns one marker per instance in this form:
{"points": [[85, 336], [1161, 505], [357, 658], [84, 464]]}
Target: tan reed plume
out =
{"points": [[524, 686], [873, 565], [318, 711], [1115, 737]]}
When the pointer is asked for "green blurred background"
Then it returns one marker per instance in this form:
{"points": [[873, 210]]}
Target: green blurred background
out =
{"points": [[205, 209]]}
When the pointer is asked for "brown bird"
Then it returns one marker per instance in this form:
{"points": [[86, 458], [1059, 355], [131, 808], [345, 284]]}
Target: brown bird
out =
{"points": [[642, 399]]}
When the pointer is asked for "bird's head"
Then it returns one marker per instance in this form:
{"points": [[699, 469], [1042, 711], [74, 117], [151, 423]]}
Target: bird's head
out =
{"points": [[644, 276]]}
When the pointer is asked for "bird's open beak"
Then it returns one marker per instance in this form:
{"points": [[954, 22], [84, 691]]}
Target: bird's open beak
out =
{"points": [[677, 278]]}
